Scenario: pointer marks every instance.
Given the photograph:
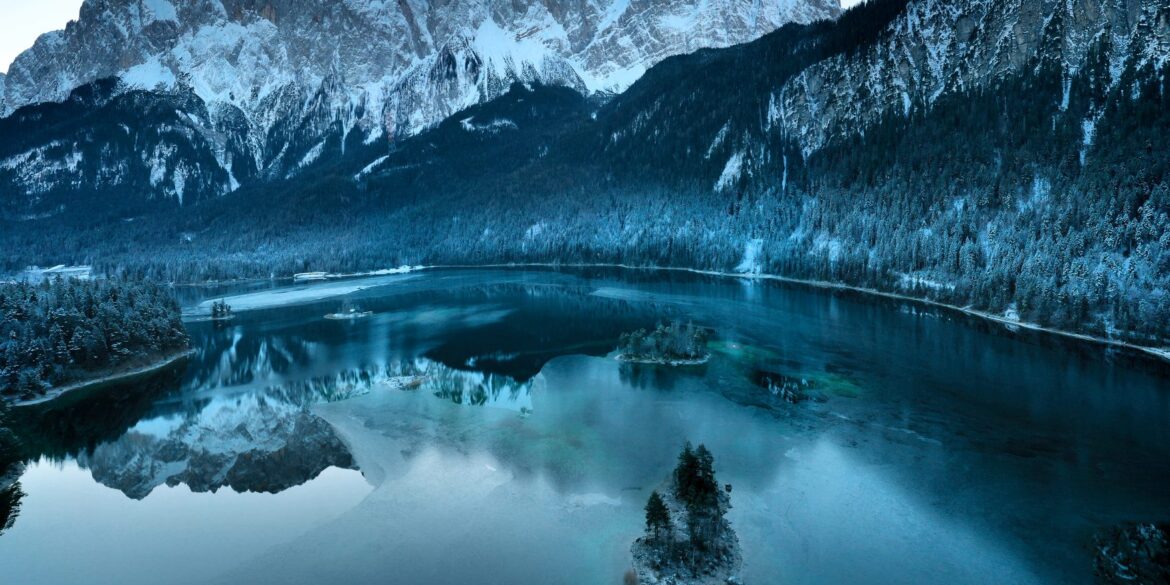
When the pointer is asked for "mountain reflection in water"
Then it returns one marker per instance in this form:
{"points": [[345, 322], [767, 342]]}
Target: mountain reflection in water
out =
{"points": [[480, 411]]}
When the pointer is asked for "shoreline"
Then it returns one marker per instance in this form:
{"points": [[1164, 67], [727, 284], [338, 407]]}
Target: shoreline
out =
{"points": [[200, 319], [627, 359], [1161, 354], [56, 393]]}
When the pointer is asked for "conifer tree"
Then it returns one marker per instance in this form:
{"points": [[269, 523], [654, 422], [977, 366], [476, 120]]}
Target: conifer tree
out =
{"points": [[658, 523]]}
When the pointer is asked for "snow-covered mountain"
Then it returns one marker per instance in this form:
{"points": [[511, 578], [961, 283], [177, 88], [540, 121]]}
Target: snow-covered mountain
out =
{"points": [[1012, 132], [944, 46], [808, 93], [285, 81], [241, 51]]}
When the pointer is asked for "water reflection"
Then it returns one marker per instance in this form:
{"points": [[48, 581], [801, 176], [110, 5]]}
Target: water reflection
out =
{"points": [[250, 443], [234, 356], [239, 436], [80, 421], [475, 388], [10, 472], [929, 449], [10, 497]]}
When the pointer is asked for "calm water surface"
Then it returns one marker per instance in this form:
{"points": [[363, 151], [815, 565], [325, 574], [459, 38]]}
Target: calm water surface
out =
{"points": [[473, 430]]}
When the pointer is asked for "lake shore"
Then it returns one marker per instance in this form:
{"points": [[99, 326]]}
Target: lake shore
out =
{"points": [[1161, 353], [628, 359], [55, 393]]}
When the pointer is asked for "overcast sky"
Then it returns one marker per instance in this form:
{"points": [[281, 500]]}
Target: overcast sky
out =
{"points": [[22, 21]]}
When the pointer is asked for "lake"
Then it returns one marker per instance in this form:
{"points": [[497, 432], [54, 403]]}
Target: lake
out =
{"points": [[476, 428]]}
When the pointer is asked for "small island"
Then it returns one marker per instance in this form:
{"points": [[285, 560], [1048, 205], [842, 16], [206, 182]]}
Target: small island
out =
{"points": [[348, 312], [675, 344], [66, 333], [219, 314], [790, 389], [221, 311], [688, 541]]}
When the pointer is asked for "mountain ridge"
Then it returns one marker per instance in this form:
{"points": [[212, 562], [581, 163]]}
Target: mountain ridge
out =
{"points": [[388, 68], [993, 195]]}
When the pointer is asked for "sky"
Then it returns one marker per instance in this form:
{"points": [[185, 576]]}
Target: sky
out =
{"points": [[22, 21]]}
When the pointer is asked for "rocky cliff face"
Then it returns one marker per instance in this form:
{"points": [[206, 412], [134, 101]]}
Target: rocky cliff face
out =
{"points": [[811, 90], [275, 86], [942, 46], [382, 64], [801, 92], [239, 51]]}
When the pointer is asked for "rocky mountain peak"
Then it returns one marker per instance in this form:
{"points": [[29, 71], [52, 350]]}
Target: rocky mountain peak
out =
{"points": [[239, 51]]}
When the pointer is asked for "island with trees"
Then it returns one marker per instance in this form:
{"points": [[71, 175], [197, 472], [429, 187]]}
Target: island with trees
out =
{"points": [[221, 311], [61, 333], [349, 311], [790, 389], [676, 344], [688, 540]]}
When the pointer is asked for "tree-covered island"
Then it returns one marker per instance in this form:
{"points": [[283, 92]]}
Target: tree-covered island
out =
{"points": [[675, 344], [688, 541]]}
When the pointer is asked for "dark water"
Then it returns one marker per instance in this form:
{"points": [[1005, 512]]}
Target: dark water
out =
{"points": [[472, 430]]}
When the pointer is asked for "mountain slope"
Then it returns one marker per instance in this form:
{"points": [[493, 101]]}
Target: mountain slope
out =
{"points": [[301, 79], [1003, 155], [102, 149], [1028, 177]]}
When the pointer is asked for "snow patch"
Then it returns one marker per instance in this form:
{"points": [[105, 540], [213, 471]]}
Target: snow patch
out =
{"points": [[492, 127], [915, 281], [1012, 313], [149, 75], [161, 10], [370, 167], [784, 179], [731, 171], [179, 181], [829, 246], [1041, 190], [613, 14], [751, 263], [720, 137], [311, 156], [534, 231], [1088, 135], [505, 52]]}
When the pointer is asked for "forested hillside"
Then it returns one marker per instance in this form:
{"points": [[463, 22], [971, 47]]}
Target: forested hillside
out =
{"points": [[1032, 182], [66, 330]]}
